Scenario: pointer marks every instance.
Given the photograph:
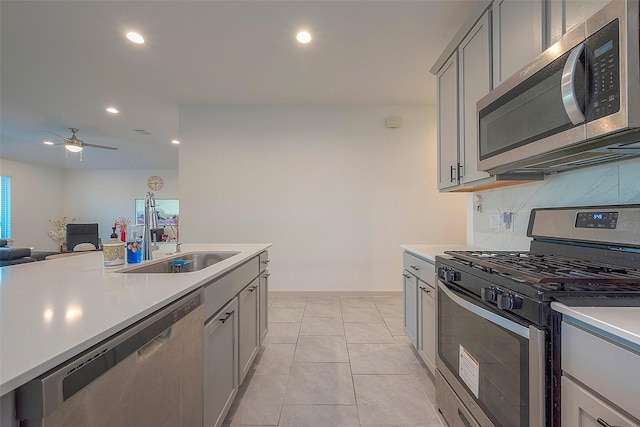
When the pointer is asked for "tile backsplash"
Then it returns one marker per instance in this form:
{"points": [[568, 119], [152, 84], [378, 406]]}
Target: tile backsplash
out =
{"points": [[614, 183]]}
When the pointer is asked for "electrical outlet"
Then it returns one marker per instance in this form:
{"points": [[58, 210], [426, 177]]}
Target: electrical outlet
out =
{"points": [[494, 221]]}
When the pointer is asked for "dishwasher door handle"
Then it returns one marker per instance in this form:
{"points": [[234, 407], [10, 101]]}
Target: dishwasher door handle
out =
{"points": [[151, 347]]}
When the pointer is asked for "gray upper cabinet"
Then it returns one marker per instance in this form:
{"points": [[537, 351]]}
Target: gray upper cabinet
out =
{"points": [[448, 124], [565, 14], [517, 35], [497, 40], [475, 82], [462, 81]]}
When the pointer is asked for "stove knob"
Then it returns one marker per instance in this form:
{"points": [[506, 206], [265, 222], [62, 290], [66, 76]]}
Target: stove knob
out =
{"points": [[489, 294], [442, 272], [453, 276], [509, 302]]}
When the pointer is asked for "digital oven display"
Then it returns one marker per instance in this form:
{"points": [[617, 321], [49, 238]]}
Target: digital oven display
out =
{"points": [[597, 220]]}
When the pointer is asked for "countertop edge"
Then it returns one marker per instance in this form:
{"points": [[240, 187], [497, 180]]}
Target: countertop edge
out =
{"points": [[603, 319], [216, 271], [430, 251]]}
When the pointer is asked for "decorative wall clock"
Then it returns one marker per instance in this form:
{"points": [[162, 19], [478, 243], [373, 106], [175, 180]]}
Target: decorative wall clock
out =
{"points": [[155, 183]]}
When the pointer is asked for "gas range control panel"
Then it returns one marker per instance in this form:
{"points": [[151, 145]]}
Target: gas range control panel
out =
{"points": [[449, 274], [502, 298]]}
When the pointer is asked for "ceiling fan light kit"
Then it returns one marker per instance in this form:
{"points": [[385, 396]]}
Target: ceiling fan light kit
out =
{"points": [[75, 145]]}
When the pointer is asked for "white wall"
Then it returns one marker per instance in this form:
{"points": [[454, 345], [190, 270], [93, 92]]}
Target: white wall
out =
{"points": [[615, 183], [332, 188], [37, 196], [40, 194], [103, 195]]}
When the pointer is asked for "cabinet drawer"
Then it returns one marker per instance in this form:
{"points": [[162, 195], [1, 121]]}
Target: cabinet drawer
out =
{"points": [[419, 267], [264, 261], [605, 367], [582, 408], [222, 289]]}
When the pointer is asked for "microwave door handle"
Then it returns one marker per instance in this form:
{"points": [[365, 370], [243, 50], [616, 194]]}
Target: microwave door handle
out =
{"points": [[568, 87]]}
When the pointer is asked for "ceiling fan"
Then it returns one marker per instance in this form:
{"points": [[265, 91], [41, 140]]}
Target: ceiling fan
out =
{"points": [[76, 145]]}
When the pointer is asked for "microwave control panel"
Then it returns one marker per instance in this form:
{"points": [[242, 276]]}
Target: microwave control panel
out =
{"points": [[603, 62]]}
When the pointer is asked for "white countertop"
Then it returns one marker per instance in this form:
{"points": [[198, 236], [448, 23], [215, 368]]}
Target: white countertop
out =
{"points": [[53, 310], [430, 251], [623, 322]]}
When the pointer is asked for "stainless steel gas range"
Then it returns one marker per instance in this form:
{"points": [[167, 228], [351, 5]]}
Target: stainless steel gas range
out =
{"points": [[499, 349]]}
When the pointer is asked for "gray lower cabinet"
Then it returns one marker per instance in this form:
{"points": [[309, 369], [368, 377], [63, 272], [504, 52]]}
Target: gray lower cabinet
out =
{"points": [[234, 306], [583, 408], [264, 306], [427, 324], [248, 309], [264, 296], [420, 306], [221, 364], [600, 379], [410, 321]]}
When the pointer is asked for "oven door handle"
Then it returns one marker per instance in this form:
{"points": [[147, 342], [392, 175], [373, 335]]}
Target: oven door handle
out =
{"points": [[516, 328]]}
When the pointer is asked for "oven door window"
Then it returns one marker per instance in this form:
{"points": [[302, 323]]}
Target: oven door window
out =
{"points": [[489, 360]]}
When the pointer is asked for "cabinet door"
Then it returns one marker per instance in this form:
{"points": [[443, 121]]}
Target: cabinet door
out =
{"points": [[565, 14], [475, 82], [581, 408], [411, 307], [517, 35], [249, 337], [448, 124], [264, 305], [220, 364], [427, 325]]}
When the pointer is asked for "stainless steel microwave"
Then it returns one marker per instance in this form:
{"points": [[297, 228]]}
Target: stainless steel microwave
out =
{"points": [[575, 105]]}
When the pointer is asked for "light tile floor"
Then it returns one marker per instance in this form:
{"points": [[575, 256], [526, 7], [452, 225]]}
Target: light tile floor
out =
{"points": [[336, 361]]}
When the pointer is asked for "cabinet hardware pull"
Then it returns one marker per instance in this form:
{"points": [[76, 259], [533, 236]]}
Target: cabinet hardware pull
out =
{"points": [[415, 268], [265, 275], [603, 423], [266, 261], [226, 316], [253, 288], [464, 419], [406, 276], [426, 290], [459, 174], [451, 174]]}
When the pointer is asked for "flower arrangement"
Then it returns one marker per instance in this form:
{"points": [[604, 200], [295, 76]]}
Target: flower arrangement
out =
{"points": [[122, 223], [59, 231]]}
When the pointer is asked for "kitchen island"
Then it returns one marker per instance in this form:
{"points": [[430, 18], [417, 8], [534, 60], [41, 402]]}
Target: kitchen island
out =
{"points": [[53, 310]]}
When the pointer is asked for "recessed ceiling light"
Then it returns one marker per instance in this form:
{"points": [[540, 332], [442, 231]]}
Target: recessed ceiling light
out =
{"points": [[112, 110], [175, 141], [303, 37], [48, 143], [135, 37]]}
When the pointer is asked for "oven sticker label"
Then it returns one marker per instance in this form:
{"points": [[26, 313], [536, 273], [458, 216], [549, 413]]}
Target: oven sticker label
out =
{"points": [[469, 370]]}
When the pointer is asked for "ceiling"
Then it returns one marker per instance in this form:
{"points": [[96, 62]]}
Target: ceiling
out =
{"points": [[63, 62]]}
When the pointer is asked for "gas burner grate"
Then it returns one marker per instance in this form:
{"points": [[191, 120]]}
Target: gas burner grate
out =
{"points": [[546, 268]]}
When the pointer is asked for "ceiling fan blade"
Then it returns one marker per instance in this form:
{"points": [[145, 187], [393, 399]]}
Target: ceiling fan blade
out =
{"points": [[58, 135], [99, 146]]}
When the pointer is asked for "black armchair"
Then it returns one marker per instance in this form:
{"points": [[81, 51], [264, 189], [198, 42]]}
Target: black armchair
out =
{"points": [[78, 234]]}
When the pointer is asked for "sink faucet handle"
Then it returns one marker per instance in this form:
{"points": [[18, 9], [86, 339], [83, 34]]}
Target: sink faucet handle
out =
{"points": [[178, 246]]}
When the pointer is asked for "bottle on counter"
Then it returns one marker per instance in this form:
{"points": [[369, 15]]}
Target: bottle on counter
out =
{"points": [[113, 250]]}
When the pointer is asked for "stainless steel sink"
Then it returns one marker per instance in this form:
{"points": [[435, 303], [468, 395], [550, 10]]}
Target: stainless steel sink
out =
{"points": [[183, 263]]}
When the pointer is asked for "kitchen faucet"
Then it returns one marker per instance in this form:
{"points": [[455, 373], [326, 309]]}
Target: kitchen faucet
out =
{"points": [[150, 222]]}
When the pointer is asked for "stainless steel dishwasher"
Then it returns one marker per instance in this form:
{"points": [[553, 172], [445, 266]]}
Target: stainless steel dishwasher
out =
{"points": [[150, 374]]}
